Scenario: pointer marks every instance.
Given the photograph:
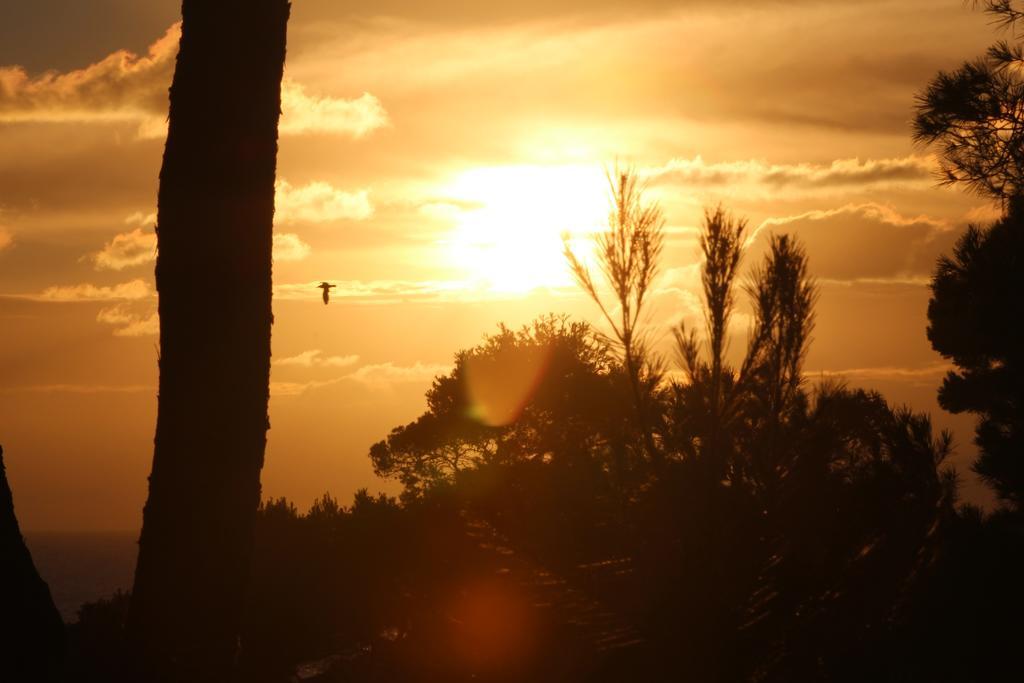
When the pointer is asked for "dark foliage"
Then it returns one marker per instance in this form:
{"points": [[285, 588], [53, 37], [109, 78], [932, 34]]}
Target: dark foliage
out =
{"points": [[792, 534], [976, 319], [973, 115]]}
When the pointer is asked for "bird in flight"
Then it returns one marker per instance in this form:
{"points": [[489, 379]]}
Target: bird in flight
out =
{"points": [[327, 290]]}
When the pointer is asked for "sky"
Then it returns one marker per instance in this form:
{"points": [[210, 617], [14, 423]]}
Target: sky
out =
{"points": [[432, 154]]}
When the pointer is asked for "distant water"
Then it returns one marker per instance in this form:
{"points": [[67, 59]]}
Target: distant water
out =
{"points": [[83, 567]]}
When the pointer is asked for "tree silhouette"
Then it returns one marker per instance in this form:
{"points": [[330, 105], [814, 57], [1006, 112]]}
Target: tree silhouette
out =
{"points": [[710, 391], [32, 638], [976, 319], [556, 412], [975, 115], [715, 398], [627, 254], [791, 533], [783, 296], [213, 274]]}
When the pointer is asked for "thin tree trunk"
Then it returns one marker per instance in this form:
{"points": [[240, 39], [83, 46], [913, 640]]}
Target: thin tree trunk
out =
{"points": [[643, 418], [213, 275]]}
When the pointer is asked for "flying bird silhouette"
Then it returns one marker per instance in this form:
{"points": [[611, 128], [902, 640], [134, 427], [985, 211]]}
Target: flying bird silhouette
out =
{"points": [[327, 290]]}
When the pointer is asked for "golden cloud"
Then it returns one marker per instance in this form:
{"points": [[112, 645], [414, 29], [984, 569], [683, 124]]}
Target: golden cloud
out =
{"points": [[80, 388], [380, 291], [127, 324], [319, 202], [304, 113], [868, 243], [386, 374], [379, 376], [315, 358], [120, 87], [289, 247], [926, 375], [126, 250], [125, 291], [138, 246], [125, 87], [758, 177]]}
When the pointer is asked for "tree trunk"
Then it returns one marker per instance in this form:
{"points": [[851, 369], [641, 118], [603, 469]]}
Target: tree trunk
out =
{"points": [[213, 275], [31, 631]]}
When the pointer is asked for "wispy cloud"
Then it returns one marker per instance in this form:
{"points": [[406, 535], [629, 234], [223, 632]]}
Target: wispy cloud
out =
{"points": [[80, 388], [387, 374], [924, 374], [128, 324], [138, 246], [866, 243], [380, 291], [318, 202], [869, 210], [127, 87], [760, 177], [376, 376], [126, 250], [289, 247], [122, 86], [279, 389], [315, 358], [5, 238], [125, 291], [305, 113]]}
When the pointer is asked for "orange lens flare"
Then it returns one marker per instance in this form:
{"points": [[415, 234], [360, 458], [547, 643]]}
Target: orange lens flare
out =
{"points": [[493, 626], [499, 386]]}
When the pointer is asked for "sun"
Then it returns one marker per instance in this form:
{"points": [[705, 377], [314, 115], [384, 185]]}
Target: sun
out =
{"points": [[507, 236]]}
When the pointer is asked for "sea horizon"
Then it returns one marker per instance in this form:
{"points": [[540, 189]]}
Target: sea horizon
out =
{"points": [[83, 566]]}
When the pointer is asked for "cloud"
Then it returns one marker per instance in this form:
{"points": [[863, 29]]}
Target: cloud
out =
{"points": [[314, 358], [386, 374], [125, 291], [125, 87], [926, 375], [278, 389], [5, 238], [120, 87], [126, 250], [762, 178], [143, 220], [304, 113], [127, 324], [318, 202], [863, 243], [984, 214], [378, 291], [374, 376], [81, 388], [289, 247], [138, 247], [681, 285]]}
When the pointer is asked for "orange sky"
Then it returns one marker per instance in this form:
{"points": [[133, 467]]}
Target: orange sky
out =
{"points": [[431, 156]]}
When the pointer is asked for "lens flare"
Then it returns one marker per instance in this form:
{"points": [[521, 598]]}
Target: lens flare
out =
{"points": [[494, 629], [499, 385]]}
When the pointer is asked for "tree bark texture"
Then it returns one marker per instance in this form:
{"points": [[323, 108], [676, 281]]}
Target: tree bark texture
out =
{"points": [[213, 276]]}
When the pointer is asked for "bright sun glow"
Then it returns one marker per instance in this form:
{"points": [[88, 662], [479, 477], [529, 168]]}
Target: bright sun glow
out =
{"points": [[509, 224]]}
